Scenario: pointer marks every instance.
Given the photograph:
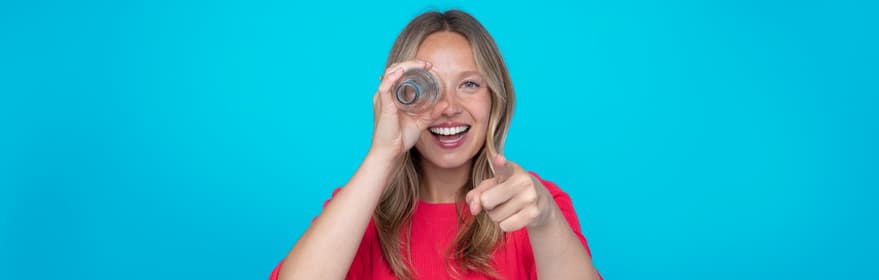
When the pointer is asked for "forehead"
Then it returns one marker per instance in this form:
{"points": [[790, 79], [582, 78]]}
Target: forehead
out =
{"points": [[448, 52]]}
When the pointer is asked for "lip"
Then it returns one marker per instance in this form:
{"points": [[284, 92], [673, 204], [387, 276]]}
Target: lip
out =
{"points": [[449, 124], [450, 145]]}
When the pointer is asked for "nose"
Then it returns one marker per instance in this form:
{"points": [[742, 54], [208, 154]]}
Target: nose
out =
{"points": [[450, 103]]}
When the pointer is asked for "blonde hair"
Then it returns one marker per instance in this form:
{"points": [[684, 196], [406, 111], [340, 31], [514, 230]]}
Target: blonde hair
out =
{"points": [[477, 236]]}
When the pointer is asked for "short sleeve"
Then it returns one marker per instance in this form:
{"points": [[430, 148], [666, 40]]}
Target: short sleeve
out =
{"points": [[328, 201], [274, 275]]}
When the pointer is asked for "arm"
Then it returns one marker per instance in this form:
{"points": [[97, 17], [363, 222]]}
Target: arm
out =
{"points": [[340, 226], [515, 199], [558, 252], [327, 248]]}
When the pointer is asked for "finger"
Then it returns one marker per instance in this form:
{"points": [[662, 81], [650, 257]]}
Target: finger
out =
{"points": [[375, 108], [411, 129], [418, 123], [382, 99], [503, 168], [389, 79], [515, 204], [393, 75], [422, 121], [503, 192], [520, 219], [406, 65], [390, 68], [473, 196]]}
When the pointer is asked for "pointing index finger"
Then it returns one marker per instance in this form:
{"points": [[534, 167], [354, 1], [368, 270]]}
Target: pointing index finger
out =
{"points": [[503, 168]]}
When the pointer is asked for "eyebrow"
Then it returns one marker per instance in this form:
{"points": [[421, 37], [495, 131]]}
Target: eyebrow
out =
{"points": [[463, 73], [468, 73]]}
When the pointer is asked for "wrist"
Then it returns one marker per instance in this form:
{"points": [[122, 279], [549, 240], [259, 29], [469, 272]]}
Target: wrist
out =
{"points": [[376, 167], [381, 156], [551, 215]]}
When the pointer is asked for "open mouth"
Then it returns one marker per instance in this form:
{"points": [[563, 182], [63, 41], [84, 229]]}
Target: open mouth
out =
{"points": [[449, 136]]}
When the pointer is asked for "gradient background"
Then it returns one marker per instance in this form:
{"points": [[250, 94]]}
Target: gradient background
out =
{"points": [[197, 139]]}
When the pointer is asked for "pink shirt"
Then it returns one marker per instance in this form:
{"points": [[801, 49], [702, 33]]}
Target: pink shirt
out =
{"points": [[433, 230]]}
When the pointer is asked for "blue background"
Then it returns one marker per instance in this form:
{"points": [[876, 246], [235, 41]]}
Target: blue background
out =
{"points": [[197, 139]]}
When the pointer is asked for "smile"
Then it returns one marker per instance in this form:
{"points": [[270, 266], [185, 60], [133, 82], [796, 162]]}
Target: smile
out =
{"points": [[449, 137]]}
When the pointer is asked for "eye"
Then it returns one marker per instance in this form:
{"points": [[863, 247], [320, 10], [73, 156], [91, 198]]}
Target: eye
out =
{"points": [[470, 84]]}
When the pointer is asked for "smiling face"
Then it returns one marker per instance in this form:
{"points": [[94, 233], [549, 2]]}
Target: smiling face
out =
{"points": [[459, 133]]}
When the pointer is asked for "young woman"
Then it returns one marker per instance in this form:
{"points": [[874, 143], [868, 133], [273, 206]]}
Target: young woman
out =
{"points": [[434, 199]]}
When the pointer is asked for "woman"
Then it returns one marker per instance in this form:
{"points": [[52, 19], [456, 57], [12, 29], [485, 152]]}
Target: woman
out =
{"points": [[438, 211]]}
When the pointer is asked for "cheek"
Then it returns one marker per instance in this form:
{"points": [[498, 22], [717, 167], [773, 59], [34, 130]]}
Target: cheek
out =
{"points": [[480, 108], [483, 110]]}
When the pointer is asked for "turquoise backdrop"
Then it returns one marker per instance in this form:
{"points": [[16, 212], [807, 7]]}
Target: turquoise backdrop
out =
{"points": [[197, 139]]}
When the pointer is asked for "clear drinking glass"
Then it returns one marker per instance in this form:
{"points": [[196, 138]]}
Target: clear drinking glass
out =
{"points": [[417, 91]]}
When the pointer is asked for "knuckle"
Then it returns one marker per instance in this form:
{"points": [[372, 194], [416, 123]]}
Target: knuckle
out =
{"points": [[533, 212], [384, 87], [493, 215], [521, 180], [484, 183], [486, 201], [530, 196], [526, 179], [391, 68]]}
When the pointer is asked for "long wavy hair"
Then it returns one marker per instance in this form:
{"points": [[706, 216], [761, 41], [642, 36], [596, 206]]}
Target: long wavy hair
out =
{"points": [[478, 236]]}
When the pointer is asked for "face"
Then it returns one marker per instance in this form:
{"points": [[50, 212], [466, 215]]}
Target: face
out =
{"points": [[459, 133]]}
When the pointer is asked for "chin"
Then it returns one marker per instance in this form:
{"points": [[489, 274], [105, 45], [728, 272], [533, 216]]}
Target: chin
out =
{"points": [[448, 159], [449, 148]]}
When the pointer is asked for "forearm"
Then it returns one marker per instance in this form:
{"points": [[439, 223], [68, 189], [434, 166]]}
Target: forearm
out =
{"points": [[558, 252], [327, 248]]}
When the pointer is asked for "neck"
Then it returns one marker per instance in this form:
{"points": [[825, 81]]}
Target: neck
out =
{"points": [[441, 185]]}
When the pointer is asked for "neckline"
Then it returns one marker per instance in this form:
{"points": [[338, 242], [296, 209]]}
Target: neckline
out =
{"points": [[426, 204]]}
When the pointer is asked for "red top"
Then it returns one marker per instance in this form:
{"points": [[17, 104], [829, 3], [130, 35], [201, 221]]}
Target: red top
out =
{"points": [[433, 230]]}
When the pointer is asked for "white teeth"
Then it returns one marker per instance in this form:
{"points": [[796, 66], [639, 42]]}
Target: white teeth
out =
{"points": [[448, 130]]}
